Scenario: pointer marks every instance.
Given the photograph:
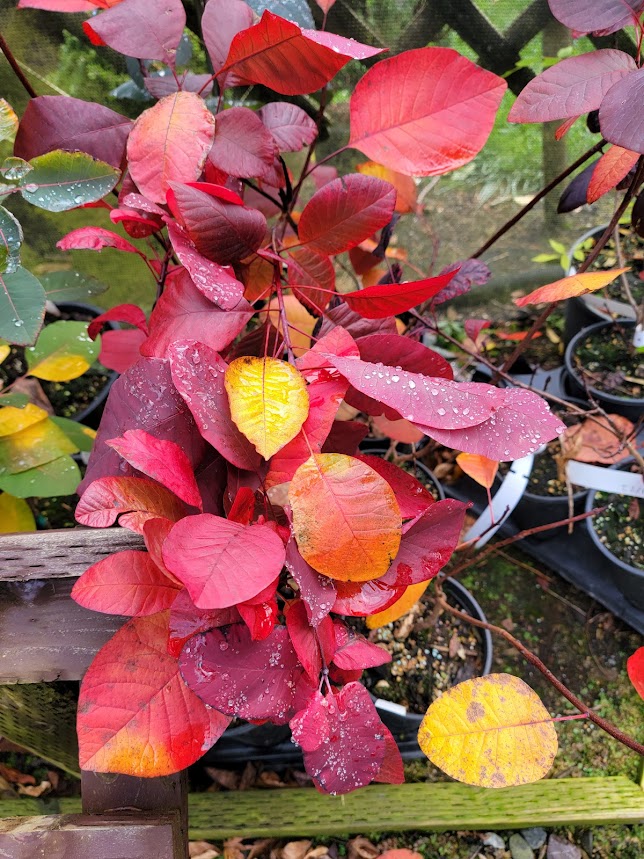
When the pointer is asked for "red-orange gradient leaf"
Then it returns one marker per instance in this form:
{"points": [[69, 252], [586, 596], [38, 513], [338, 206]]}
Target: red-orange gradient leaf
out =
{"points": [[611, 168], [135, 714], [138, 498], [569, 287], [479, 468]]}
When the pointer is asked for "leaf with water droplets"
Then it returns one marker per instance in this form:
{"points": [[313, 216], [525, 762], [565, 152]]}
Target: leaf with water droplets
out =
{"points": [[316, 591], [63, 351], [346, 520], [136, 715], [491, 732], [314, 646], [22, 306], [10, 240], [222, 563], [186, 620], [246, 678], [342, 738], [353, 651], [65, 180]]}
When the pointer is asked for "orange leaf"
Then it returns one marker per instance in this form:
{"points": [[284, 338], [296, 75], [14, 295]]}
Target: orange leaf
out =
{"points": [[593, 440], [346, 519], [569, 287], [478, 467], [404, 185], [296, 315], [611, 168], [409, 599], [515, 336], [401, 430]]}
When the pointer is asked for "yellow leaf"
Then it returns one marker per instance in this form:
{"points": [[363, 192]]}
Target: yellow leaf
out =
{"points": [[60, 368], [35, 445], [5, 351], [569, 287], [409, 599], [346, 519], [479, 468], [404, 185], [15, 515], [491, 732], [13, 419], [268, 401], [8, 121]]}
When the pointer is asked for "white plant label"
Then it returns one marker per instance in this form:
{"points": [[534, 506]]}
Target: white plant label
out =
{"points": [[605, 479], [638, 339]]}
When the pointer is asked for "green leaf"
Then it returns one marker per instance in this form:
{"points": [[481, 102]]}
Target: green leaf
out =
{"points": [[59, 477], [64, 180], [545, 258], [62, 352], [14, 169], [19, 401], [557, 246], [8, 121], [82, 436], [10, 241], [22, 306], [35, 445], [71, 285]]}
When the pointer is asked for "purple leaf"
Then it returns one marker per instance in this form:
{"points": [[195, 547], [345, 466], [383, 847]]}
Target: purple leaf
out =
{"points": [[593, 16], [198, 374], [470, 272], [142, 398], [61, 122], [345, 437], [342, 738], [243, 146], [291, 127], [220, 23], [575, 194], [354, 324], [573, 86], [186, 620], [246, 678], [222, 563], [520, 424], [145, 29], [620, 114], [316, 591]]}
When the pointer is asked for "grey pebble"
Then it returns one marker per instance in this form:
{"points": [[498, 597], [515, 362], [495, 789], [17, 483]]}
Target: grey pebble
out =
{"points": [[536, 837], [520, 848], [491, 839]]}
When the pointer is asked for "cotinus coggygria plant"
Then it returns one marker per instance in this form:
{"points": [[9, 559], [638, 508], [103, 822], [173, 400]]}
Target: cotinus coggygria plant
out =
{"points": [[263, 525]]}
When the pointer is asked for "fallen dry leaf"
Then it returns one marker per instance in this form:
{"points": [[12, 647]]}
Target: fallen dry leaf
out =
{"points": [[361, 848], [34, 790], [403, 853], [317, 852], [260, 847], [225, 778], [296, 849], [234, 848], [202, 850], [15, 776]]}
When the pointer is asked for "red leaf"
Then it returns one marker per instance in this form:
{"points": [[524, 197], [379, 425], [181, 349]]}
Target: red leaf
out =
{"points": [[565, 127], [127, 583], [108, 497], [520, 424], [186, 620], [136, 715], [95, 239], [345, 212], [412, 497], [595, 15], [243, 146], [395, 351], [427, 544], [635, 668], [170, 143], [120, 350], [210, 187], [402, 106], [183, 312], [222, 563], [222, 232], [130, 313], [573, 86], [134, 223], [311, 276], [216, 283], [288, 60], [620, 117], [154, 533], [611, 168], [345, 437], [198, 373], [358, 599], [316, 591], [342, 739], [291, 127], [392, 772], [376, 302], [259, 617], [163, 461], [220, 23], [473, 327], [145, 29], [354, 652], [246, 678], [61, 122], [306, 640], [243, 508], [143, 398]]}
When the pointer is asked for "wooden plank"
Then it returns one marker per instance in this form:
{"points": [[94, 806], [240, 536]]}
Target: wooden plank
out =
{"points": [[81, 836], [45, 635], [60, 554]]}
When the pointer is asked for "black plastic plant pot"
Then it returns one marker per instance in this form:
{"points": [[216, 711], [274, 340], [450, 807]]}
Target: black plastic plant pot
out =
{"points": [[630, 407], [91, 414], [535, 510], [628, 578]]}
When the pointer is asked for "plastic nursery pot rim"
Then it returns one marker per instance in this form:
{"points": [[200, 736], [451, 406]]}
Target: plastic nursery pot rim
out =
{"points": [[612, 399]]}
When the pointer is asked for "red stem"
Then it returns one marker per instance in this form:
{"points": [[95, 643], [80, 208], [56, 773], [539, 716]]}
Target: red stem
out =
{"points": [[6, 50]]}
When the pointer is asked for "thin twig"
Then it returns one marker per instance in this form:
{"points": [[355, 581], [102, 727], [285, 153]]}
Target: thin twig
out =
{"points": [[13, 62]]}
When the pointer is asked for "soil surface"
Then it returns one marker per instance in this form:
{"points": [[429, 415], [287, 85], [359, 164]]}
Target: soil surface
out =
{"points": [[621, 527], [608, 362]]}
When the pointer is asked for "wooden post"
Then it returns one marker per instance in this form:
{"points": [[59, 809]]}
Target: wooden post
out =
{"points": [[553, 153]]}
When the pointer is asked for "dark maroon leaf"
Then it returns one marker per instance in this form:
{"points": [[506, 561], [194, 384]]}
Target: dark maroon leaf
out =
{"points": [[243, 146], [345, 437], [317, 592], [620, 115], [412, 497], [591, 16], [136, 224], [354, 324], [198, 373], [470, 272], [637, 218], [212, 475], [162, 86], [145, 29], [311, 276], [353, 651], [143, 398], [184, 313], [62, 122], [246, 678], [221, 231], [291, 127], [220, 23], [342, 738], [187, 620], [575, 194], [255, 343]]}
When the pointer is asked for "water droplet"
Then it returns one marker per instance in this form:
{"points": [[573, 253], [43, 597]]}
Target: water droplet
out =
{"points": [[412, 384]]}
